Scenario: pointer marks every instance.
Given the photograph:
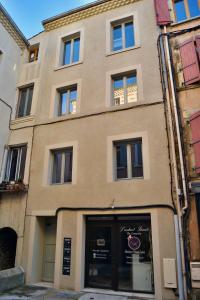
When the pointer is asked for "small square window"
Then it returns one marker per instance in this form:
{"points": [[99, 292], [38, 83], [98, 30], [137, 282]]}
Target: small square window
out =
{"points": [[129, 162], [124, 88], [62, 166], [25, 101], [67, 100], [71, 53], [123, 35], [33, 53], [16, 163]]}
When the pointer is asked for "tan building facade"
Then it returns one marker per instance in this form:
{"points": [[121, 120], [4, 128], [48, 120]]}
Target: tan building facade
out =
{"points": [[89, 139]]}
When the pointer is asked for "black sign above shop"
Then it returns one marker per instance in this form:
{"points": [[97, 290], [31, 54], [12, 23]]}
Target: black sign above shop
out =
{"points": [[67, 256]]}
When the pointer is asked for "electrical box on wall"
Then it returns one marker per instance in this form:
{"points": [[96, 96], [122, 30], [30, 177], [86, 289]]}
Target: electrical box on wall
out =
{"points": [[195, 271], [169, 268]]}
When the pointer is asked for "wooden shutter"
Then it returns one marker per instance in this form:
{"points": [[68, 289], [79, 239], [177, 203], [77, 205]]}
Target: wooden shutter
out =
{"points": [[162, 12], [190, 62], [195, 128], [197, 38]]}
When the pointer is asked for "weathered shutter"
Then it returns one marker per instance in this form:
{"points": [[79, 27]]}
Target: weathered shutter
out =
{"points": [[162, 12], [190, 63], [195, 128], [197, 38]]}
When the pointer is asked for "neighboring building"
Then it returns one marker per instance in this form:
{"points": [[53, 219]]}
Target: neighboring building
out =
{"points": [[181, 19], [89, 139], [13, 46]]}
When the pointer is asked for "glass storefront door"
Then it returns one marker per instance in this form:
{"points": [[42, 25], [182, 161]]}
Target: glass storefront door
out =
{"points": [[119, 253]]}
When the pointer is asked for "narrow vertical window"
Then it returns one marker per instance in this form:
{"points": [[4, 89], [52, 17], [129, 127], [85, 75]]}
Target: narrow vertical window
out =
{"points": [[71, 50], [123, 35], [67, 101], [124, 88], [129, 162], [62, 166], [25, 102]]}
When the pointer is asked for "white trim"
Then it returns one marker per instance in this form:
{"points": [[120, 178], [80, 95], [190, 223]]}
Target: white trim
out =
{"points": [[111, 165], [47, 170], [120, 71], [134, 16], [60, 48], [54, 97]]}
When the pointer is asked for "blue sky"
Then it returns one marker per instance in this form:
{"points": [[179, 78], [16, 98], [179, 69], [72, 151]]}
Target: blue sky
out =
{"points": [[28, 14]]}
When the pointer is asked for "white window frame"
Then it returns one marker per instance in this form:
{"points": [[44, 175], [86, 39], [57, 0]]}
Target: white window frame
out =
{"points": [[28, 87], [60, 48], [66, 90], [109, 85], [117, 21], [62, 165], [111, 155], [129, 161], [54, 98], [124, 87], [48, 163]]}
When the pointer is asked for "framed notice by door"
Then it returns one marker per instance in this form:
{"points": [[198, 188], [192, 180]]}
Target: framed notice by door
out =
{"points": [[119, 253]]}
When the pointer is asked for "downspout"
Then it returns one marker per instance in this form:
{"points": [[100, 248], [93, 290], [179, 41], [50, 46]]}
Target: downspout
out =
{"points": [[177, 215], [176, 121]]}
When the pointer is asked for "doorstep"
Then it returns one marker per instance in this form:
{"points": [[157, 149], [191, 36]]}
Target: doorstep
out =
{"points": [[136, 296]]}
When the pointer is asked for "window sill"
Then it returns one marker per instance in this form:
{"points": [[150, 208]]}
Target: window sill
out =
{"points": [[60, 184], [184, 21], [67, 66], [128, 179], [123, 50], [22, 120]]}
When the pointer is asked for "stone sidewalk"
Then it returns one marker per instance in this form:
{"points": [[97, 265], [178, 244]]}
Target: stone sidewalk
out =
{"points": [[42, 293]]}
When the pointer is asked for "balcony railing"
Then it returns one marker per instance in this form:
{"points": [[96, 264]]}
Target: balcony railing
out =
{"points": [[13, 187]]}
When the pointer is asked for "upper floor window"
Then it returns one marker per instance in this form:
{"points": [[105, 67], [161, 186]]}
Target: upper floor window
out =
{"points": [[25, 101], [124, 88], [67, 100], [62, 166], [129, 162], [186, 9], [71, 52], [33, 53], [16, 163], [123, 34]]}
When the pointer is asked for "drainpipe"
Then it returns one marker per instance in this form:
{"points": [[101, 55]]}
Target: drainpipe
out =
{"points": [[178, 218]]}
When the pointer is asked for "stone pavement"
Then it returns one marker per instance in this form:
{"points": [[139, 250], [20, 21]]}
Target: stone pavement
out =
{"points": [[43, 293]]}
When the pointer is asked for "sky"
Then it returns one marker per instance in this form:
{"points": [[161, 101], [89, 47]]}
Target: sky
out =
{"points": [[28, 14]]}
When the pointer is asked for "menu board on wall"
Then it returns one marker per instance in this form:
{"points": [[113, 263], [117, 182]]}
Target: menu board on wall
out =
{"points": [[67, 256]]}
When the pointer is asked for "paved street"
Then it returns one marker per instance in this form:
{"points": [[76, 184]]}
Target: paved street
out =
{"points": [[42, 293]]}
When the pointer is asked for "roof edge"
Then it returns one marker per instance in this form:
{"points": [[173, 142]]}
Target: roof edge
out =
{"points": [[73, 11], [13, 24]]}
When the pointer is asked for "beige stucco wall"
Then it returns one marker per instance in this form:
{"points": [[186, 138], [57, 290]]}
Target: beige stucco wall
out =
{"points": [[91, 135]]}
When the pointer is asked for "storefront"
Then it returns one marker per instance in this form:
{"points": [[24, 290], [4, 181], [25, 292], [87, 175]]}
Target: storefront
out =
{"points": [[119, 253]]}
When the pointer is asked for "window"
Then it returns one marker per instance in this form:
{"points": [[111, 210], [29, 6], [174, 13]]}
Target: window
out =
{"points": [[71, 49], [33, 53], [124, 88], [16, 163], [25, 101], [129, 163], [62, 166], [186, 9], [67, 101], [123, 35]]}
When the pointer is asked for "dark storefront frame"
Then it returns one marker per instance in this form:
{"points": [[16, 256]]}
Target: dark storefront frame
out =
{"points": [[113, 222]]}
